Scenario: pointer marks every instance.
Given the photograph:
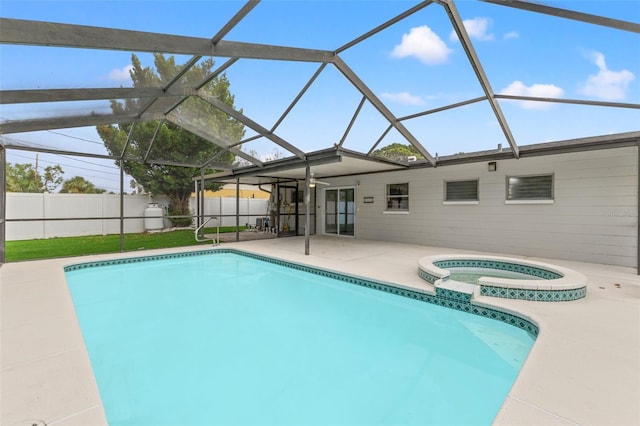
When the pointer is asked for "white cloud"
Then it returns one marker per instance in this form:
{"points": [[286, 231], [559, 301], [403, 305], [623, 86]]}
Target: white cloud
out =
{"points": [[476, 28], [404, 98], [121, 74], [511, 35], [424, 45], [607, 84], [517, 88]]}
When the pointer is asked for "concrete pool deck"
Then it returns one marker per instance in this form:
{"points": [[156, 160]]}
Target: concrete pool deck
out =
{"points": [[583, 369]]}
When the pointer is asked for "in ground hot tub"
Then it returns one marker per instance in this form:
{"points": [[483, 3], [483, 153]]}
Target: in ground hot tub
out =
{"points": [[505, 277]]}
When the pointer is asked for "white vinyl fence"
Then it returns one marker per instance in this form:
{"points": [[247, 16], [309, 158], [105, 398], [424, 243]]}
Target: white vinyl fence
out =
{"points": [[95, 207]]}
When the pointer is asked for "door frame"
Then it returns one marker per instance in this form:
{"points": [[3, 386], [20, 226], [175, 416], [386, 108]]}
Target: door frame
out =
{"points": [[323, 205]]}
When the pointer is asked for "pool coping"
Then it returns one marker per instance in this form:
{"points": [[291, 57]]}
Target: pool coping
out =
{"points": [[566, 284]]}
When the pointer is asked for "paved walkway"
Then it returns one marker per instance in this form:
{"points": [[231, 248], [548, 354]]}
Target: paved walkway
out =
{"points": [[583, 369]]}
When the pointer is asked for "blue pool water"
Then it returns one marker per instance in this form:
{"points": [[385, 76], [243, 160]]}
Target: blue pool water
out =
{"points": [[231, 340]]}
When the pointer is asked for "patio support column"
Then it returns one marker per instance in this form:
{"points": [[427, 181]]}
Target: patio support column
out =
{"points": [[237, 209], [197, 193], [307, 209], [122, 154], [202, 212], [3, 203], [121, 206]]}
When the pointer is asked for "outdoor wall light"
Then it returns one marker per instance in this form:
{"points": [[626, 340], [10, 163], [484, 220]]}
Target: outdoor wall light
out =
{"points": [[493, 166]]}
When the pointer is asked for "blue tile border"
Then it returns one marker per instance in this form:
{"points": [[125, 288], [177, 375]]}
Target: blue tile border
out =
{"points": [[500, 265], [128, 260], [534, 295], [444, 297]]}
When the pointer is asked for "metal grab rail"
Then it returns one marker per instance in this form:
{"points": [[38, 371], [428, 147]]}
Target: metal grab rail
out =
{"points": [[204, 238]]}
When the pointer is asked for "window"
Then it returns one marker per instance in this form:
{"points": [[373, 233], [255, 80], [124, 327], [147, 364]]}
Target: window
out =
{"points": [[461, 190], [530, 188], [398, 197]]}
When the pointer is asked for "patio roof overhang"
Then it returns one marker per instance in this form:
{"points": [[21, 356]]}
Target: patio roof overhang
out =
{"points": [[337, 162], [326, 163]]}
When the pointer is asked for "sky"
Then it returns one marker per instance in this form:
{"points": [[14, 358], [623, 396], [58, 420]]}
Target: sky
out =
{"points": [[415, 65]]}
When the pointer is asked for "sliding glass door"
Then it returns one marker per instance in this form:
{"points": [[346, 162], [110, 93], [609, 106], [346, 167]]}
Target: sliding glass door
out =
{"points": [[339, 211]]}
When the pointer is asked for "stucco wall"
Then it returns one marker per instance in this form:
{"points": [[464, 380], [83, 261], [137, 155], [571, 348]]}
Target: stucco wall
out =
{"points": [[593, 218]]}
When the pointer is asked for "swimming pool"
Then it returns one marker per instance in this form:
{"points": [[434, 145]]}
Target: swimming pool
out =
{"points": [[223, 338]]}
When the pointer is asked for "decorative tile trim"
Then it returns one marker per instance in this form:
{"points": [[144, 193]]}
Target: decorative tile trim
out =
{"points": [[453, 295], [534, 295], [444, 297], [500, 265], [127, 260], [428, 277]]}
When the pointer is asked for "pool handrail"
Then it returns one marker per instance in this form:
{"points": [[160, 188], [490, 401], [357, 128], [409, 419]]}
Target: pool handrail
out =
{"points": [[204, 237]]}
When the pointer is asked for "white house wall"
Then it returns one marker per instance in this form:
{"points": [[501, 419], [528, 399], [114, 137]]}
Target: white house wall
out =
{"points": [[593, 218]]}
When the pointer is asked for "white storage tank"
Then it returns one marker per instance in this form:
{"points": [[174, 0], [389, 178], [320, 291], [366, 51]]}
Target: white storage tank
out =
{"points": [[153, 217]]}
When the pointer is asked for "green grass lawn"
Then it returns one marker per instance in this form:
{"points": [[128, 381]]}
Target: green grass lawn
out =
{"points": [[99, 244]]}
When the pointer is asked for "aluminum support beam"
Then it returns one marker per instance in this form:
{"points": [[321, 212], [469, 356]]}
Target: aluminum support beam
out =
{"points": [[231, 23], [128, 141], [384, 26], [211, 138], [193, 90], [463, 36], [443, 108], [237, 209], [250, 123], [353, 120], [62, 152], [222, 68], [194, 60], [570, 101], [381, 107], [64, 122], [153, 140], [298, 97], [382, 136], [185, 68], [181, 164], [121, 207], [569, 14], [197, 192], [35, 33], [201, 200], [307, 208], [88, 94]]}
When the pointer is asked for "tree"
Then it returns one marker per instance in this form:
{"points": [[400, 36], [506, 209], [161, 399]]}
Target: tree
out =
{"points": [[52, 177], [25, 178], [397, 152], [275, 154], [173, 144], [136, 187], [79, 185]]}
